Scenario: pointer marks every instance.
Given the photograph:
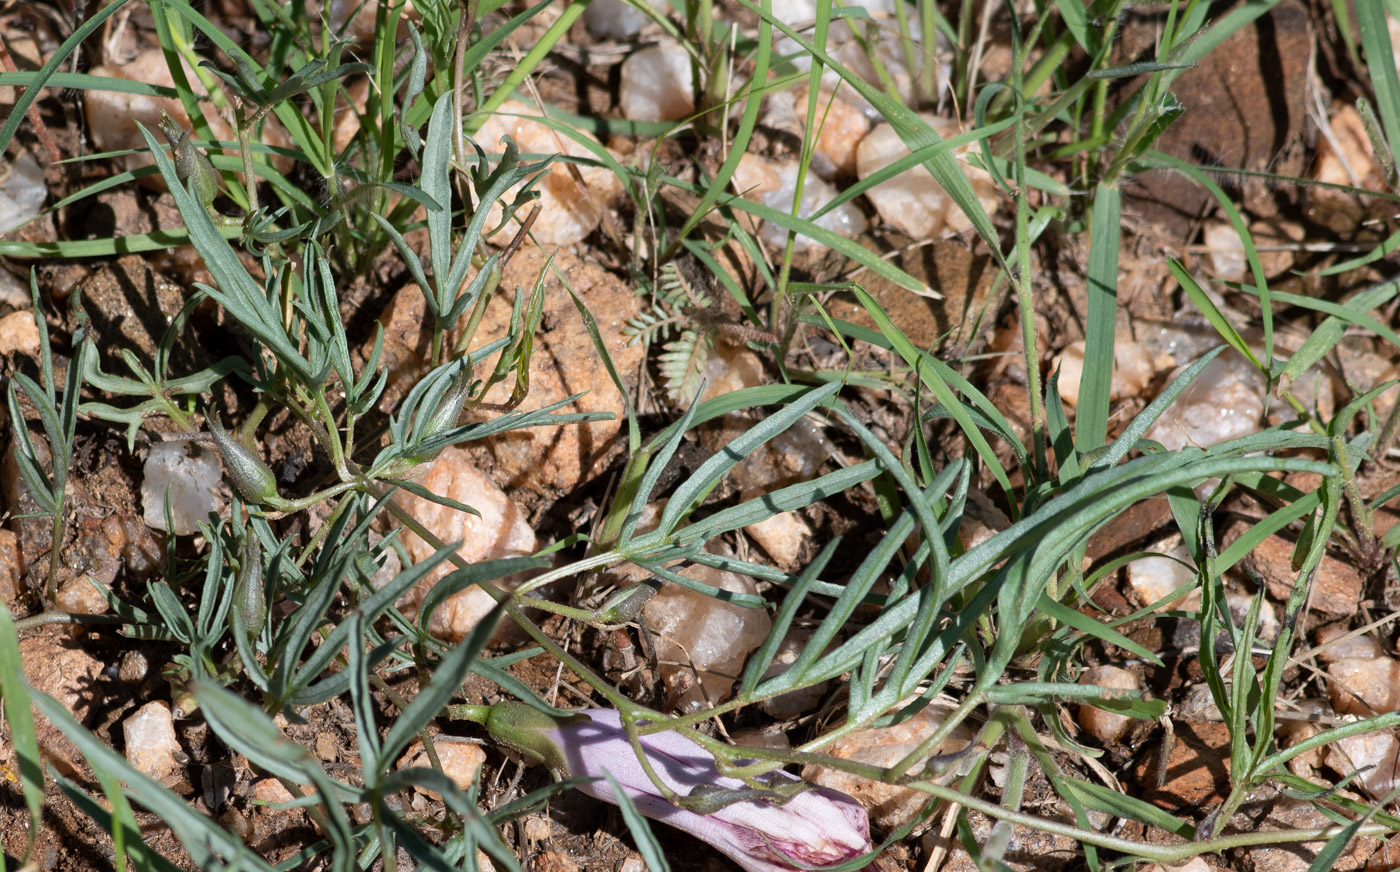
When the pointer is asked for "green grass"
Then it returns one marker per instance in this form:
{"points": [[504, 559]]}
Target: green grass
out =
{"points": [[265, 624]]}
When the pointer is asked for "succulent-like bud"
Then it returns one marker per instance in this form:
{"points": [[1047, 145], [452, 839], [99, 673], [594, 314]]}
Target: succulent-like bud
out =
{"points": [[625, 604], [251, 477], [815, 829], [190, 162], [454, 399], [249, 594]]}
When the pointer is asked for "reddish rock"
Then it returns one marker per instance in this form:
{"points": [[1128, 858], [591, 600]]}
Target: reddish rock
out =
{"points": [[1337, 587], [1197, 768]]}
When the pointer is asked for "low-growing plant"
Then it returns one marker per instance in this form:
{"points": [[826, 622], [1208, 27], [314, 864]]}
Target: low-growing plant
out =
{"points": [[265, 624]]}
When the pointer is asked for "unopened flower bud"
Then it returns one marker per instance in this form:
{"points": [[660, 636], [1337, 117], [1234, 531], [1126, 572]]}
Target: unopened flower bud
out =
{"points": [[624, 605], [249, 594], [251, 477]]}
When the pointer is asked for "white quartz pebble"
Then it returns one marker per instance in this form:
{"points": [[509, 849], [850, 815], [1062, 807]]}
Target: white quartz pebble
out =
{"points": [[890, 805], [568, 211], [913, 202], [1226, 401], [1347, 156], [499, 530], [112, 115], [774, 184], [845, 220], [151, 745], [191, 471], [1104, 725], [782, 537], [1133, 370], [839, 123], [1227, 257], [702, 642], [1153, 578], [615, 19], [657, 84], [1378, 753], [1333, 646], [460, 762], [22, 192], [1364, 686]]}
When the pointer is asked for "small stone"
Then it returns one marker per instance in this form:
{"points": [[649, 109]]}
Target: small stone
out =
{"points": [[1197, 770], [22, 193], [192, 472], [1295, 727], [11, 568], [19, 334], [890, 805], [1133, 370], [1267, 627], [1333, 647], [841, 126], [568, 212], [460, 762], [151, 744], [615, 19], [1337, 586], [1225, 401], [500, 531], [731, 368], [538, 828], [845, 220], [554, 861], [1346, 157], [1152, 579], [1379, 750], [1228, 262], [1314, 390], [774, 184], [1364, 687], [1269, 809], [702, 642], [913, 202], [133, 667], [656, 84], [761, 737], [270, 790], [1104, 725], [79, 596], [982, 519], [794, 702], [559, 458], [782, 537], [112, 116]]}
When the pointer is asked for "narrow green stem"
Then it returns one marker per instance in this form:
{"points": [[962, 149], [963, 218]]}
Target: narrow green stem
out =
{"points": [[477, 714], [51, 617], [1025, 302], [1157, 853], [332, 436]]}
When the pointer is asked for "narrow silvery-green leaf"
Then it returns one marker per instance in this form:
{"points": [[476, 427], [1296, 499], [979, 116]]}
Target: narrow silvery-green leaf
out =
{"points": [[1091, 411]]}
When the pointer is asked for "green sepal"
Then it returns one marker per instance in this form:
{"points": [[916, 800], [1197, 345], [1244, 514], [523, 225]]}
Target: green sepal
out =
{"points": [[524, 729]]}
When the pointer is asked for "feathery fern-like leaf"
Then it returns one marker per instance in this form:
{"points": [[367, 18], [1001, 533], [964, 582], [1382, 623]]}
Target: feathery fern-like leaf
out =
{"points": [[683, 364]]}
